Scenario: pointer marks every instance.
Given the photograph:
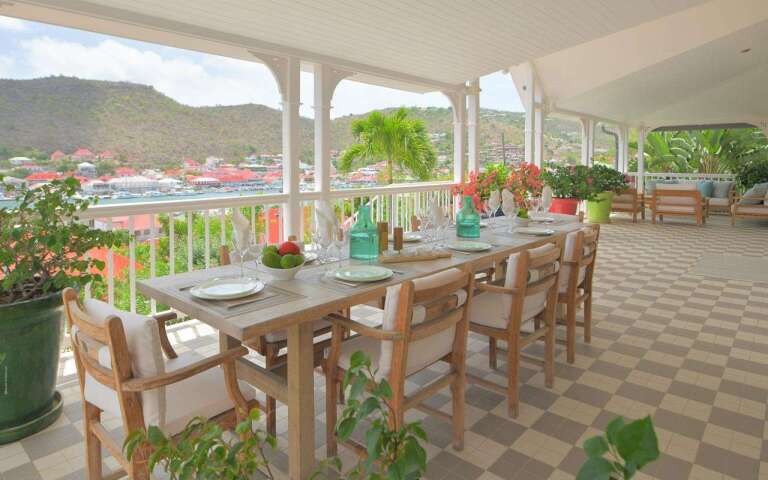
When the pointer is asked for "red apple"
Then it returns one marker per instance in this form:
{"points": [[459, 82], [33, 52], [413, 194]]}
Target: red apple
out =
{"points": [[289, 247]]}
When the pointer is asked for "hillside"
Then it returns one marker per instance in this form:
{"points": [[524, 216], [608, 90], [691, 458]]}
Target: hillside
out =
{"points": [[148, 128]]}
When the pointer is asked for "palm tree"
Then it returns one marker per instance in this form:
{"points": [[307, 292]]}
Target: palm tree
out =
{"points": [[397, 139]]}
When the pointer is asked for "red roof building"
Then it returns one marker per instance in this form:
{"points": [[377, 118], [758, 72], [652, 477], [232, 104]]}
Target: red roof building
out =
{"points": [[42, 177], [125, 172], [82, 154], [57, 155]]}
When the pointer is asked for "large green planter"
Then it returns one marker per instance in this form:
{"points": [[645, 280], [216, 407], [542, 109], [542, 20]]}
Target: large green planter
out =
{"points": [[30, 341], [599, 210]]}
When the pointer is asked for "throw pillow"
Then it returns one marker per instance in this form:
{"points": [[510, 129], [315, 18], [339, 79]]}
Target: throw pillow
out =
{"points": [[722, 189], [707, 188], [755, 195]]}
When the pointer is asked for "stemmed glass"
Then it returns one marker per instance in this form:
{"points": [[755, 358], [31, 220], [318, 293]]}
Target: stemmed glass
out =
{"points": [[535, 206], [493, 207], [245, 245], [509, 209]]}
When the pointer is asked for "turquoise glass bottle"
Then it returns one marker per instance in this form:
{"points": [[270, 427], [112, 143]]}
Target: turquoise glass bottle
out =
{"points": [[468, 220], [364, 237]]}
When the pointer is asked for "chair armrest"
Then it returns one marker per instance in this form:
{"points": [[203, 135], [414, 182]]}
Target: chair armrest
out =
{"points": [[165, 344], [148, 383], [361, 329]]}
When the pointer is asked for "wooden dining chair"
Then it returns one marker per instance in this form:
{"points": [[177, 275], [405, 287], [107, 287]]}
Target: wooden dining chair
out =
{"points": [[122, 372], [425, 322], [520, 310], [576, 284], [272, 346]]}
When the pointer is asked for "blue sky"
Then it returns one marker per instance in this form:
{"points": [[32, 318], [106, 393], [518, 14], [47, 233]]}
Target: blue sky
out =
{"points": [[32, 50]]}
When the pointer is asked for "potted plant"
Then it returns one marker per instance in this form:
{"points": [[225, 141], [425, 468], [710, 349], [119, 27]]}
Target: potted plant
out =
{"points": [[570, 185], [524, 183], [606, 182], [629, 447], [44, 249]]}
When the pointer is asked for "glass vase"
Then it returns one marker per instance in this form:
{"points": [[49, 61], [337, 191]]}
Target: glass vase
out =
{"points": [[468, 220], [364, 236]]}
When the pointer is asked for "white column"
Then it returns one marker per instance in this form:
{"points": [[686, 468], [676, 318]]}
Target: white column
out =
{"points": [[591, 143], [538, 137], [473, 126], [291, 169], [458, 100], [621, 152], [326, 80], [528, 100], [587, 140], [641, 133]]}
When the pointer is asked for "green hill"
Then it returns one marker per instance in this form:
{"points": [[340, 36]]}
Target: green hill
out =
{"points": [[147, 128]]}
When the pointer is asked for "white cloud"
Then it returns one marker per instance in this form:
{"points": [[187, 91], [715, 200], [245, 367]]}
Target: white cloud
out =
{"points": [[179, 77], [10, 23], [6, 66], [201, 80]]}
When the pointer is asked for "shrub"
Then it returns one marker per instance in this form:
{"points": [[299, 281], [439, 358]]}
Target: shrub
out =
{"points": [[607, 179], [751, 170], [569, 181]]}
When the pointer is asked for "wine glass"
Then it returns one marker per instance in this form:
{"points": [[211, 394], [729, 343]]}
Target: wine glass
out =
{"points": [[493, 206], [535, 206], [509, 209], [243, 244]]}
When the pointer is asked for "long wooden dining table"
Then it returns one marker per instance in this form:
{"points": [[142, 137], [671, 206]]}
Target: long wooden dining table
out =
{"points": [[294, 305]]}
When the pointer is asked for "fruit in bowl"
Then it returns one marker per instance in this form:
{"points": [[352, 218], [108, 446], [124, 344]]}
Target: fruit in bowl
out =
{"points": [[282, 261]]}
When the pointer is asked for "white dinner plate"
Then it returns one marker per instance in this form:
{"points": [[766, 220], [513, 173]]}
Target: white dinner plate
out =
{"points": [[536, 231], [542, 219], [469, 246], [363, 273], [226, 288]]}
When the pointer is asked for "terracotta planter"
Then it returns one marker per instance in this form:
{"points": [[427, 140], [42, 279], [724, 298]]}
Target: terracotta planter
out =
{"points": [[566, 206]]}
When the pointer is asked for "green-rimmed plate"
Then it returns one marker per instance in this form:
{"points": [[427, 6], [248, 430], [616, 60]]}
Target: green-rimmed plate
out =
{"points": [[227, 288], [363, 273], [539, 232], [469, 246]]}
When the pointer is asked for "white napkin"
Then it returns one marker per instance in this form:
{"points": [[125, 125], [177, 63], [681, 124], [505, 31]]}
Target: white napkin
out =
{"points": [[242, 229], [326, 220], [437, 214], [507, 201], [546, 198]]}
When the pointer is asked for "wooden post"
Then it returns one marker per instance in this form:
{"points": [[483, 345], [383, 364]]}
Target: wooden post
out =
{"points": [[301, 402]]}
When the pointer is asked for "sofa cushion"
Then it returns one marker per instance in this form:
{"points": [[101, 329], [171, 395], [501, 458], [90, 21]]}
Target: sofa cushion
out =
{"points": [[675, 200], [755, 195], [719, 202], [690, 209], [651, 185], [753, 210], [722, 189], [707, 188]]}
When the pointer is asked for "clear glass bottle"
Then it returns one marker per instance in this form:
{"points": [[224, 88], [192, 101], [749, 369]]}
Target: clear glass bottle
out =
{"points": [[468, 220], [364, 237]]}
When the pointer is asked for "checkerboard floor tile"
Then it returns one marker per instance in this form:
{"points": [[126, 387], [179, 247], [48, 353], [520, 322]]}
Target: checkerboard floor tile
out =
{"points": [[692, 351]]}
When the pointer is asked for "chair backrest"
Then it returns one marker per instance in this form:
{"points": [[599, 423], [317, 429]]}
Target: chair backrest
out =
{"points": [[579, 256], [677, 194], [627, 196], [431, 313], [533, 274], [112, 347]]}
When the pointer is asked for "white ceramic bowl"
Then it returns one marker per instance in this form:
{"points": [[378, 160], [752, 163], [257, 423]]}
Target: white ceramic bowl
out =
{"points": [[282, 273]]}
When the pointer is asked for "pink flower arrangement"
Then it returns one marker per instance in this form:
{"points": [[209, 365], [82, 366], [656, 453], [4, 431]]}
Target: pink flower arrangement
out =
{"points": [[524, 183]]}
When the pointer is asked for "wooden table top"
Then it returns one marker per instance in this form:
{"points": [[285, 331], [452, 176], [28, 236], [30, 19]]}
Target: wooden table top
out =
{"points": [[311, 294]]}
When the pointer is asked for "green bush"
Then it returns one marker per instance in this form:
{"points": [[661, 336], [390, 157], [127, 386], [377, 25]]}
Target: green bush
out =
{"points": [[569, 181], [751, 170], [607, 179]]}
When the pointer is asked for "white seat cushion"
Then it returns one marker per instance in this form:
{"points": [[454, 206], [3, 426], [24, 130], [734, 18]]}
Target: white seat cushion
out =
{"points": [[486, 309], [719, 202], [143, 339], [569, 255], [427, 350], [675, 200], [204, 394]]}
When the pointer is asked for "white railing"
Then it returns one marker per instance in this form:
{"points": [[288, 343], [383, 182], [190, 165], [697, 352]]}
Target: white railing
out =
{"points": [[205, 225], [686, 177]]}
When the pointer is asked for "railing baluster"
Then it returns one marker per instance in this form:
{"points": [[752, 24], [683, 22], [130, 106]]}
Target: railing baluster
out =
{"points": [[132, 263], [207, 239], [171, 243], [110, 269], [152, 257], [190, 245]]}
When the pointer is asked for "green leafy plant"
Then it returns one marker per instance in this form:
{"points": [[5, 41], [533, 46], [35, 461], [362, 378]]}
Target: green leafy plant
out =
{"points": [[752, 170], [392, 453], [44, 245], [201, 451], [607, 179], [398, 140], [569, 181], [628, 447]]}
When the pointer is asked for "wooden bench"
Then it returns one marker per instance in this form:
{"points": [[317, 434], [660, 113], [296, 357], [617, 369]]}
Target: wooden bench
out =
{"points": [[629, 201], [679, 200]]}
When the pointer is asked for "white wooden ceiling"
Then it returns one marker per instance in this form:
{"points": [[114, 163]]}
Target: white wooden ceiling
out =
{"points": [[446, 42]]}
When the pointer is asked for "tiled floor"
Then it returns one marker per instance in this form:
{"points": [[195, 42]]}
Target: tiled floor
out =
{"points": [[690, 350]]}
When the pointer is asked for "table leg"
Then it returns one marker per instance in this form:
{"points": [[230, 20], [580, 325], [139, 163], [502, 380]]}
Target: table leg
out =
{"points": [[301, 401]]}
